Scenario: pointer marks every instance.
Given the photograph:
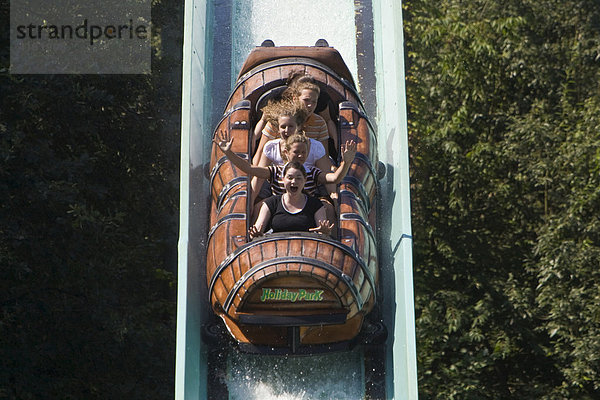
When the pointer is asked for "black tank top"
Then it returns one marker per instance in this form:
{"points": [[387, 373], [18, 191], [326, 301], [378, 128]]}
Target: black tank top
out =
{"points": [[284, 221]]}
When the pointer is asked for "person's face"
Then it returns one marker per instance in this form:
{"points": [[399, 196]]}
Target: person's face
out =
{"points": [[309, 97], [297, 152], [287, 126], [293, 180]]}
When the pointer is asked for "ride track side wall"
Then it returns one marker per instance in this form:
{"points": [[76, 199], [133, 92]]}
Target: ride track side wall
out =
{"points": [[192, 308], [396, 254]]}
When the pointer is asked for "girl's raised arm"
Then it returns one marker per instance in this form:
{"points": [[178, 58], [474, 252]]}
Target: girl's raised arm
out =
{"points": [[224, 141], [261, 144], [348, 154]]}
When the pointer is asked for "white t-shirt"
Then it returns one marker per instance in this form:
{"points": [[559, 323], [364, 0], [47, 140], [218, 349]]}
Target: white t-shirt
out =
{"points": [[271, 150]]}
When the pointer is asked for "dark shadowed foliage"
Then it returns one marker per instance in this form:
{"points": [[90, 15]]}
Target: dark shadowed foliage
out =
{"points": [[89, 193], [503, 120]]}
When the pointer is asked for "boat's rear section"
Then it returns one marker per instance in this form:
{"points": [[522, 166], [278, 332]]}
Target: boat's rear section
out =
{"points": [[293, 290]]}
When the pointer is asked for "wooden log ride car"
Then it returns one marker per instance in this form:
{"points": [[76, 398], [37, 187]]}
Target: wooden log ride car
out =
{"points": [[295, 291]]}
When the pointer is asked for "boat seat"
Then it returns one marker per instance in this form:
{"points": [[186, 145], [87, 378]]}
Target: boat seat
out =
{"points": [[274, 93]]}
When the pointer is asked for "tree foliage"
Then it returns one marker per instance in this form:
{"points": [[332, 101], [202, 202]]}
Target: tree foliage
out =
{"points": [[88, 182], [504, 110], [503, 121]]}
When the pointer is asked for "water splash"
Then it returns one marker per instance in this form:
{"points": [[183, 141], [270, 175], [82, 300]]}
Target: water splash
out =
{"points": [[329, 376]]}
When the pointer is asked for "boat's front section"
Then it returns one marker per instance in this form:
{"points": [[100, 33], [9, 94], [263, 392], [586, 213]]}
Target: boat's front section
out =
{"points": [[294, 290]]}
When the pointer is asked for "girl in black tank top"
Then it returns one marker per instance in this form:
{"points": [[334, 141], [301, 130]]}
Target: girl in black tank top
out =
{"points": [[293, 210]]}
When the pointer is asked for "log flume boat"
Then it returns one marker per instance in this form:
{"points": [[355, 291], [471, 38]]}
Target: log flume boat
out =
{"points": [[293, 292]]}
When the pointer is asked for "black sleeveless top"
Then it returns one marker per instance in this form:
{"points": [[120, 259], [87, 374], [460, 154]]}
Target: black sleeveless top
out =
{"points": [[284, 221]]}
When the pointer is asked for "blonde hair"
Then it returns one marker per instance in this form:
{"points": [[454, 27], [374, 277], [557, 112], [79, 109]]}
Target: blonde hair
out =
{"points": [[299, 81], [285, 108], [295, 138]]}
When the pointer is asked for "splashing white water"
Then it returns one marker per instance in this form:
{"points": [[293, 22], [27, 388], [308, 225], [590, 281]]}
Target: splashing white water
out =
{"points": [[329, 376]]}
